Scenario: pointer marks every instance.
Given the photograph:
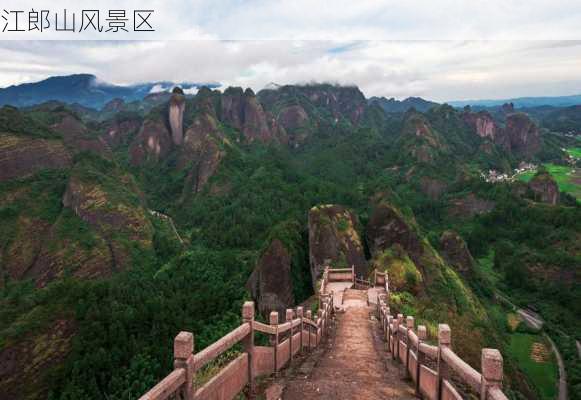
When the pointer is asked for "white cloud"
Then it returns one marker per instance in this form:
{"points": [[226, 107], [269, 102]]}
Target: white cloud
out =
{"points": [[439, 70]]}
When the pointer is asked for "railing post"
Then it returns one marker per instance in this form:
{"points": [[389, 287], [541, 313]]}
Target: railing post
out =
{"points": [[309, 315], [491, 371], [409, 322], [273, 320], [300, 315], [399, 323], [289, 318], [422, 336], [353, 274], [320, 316], [248, 342], [394, 343], [388, 333], [444, 341], [183, 348]]}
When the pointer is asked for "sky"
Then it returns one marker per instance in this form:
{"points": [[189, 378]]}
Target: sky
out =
{"points": [[441, 50]]}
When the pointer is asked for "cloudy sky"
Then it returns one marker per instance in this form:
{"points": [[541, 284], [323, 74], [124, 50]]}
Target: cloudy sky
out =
{"points": [[442, 50]]}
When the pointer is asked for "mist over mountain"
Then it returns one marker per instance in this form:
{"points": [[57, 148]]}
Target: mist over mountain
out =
{"points": [[522, 102], [397, 106], [84, 89]]}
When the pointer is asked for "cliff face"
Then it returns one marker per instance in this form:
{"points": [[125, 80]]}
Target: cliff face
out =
{"points": [[202, 153], [545, 188], [455, 252], [523, 135], [177, 106], [271, 282], [419, 141], [334, 241], [520, 135], [243, 111], [483, 124], [153, 142], [22, 156]]}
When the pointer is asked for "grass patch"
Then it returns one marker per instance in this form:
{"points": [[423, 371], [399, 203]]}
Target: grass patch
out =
{"points": [[567, 180], [574, 152], [527, 350]]}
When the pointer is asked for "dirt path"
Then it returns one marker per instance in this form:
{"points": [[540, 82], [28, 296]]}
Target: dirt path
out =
{"points": [[355, 365], [562, 384]]}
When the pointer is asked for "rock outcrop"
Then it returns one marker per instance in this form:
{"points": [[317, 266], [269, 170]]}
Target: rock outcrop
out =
{"points": [[21, 156], [177, 106], [519, 136], [545, 188], [523, 135], [121, 130], [456, 252], [242, 110], [418, 140], [201, 153], [388, 226], [153, 142], [469, 206], [271, 283], [484, 125], [334, 241]]}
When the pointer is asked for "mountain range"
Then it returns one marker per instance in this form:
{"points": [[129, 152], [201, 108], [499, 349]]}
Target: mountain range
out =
{"points": [[124, 225], [84, 89], [87, 90]]}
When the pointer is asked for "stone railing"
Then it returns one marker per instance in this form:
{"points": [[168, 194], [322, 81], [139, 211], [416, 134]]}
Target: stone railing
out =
{"points": [[300, 332], [430, 367]]}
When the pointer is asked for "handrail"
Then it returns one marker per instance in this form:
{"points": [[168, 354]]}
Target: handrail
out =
{"points": [[306, 332], [167, 386], [408, 346], [462, 368], [429, 350], [264, 328], [222, 345]]}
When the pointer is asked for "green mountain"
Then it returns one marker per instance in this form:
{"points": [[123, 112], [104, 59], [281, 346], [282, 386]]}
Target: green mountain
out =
{"points": [[123, 226]]}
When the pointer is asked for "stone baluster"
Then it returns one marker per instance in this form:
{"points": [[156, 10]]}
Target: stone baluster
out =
{"points": [[395, 332], [388, 332], [444, 340], [409, 323], [248, 341], [183, 348], [309, 315], [289, 318], [273, 320], [398, 336], [422, 336], [320, 316], [300, 315], [491, 371]]}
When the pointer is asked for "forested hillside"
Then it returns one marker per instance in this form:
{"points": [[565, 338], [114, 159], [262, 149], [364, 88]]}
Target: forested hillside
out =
{"points": [[121, 227]]}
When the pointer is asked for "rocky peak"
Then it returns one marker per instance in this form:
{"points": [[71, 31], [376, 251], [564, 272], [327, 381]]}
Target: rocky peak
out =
{"points": [[545, 188], [456, 252], [483, 123], [334, 241], [523, 134], [177, 106], [271, 283], [243, 111]]}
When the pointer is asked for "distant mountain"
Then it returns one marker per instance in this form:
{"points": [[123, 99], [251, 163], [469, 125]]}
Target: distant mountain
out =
{"points": [[522, 102], [84, 89], [398, 106]]}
